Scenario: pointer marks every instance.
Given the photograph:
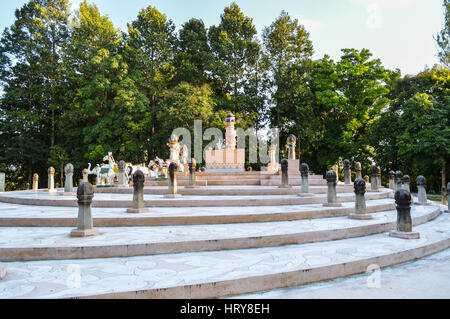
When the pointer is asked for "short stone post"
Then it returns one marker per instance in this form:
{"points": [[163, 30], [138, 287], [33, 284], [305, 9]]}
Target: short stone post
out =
{"points": [[422, 193], [173, 186], [284, 174], [192, 178], [358, 169], [85, 226], [392, 180], [35, 182], [404, 221], [51, 180], [122, 177], [332, 196], [374, 179], [68, 183], [347, 172], [398, 180], [360, 202], [304, 171], [407, 185], [448, 199], [2, 182], [367, 179], [336, 169], [85, 175], [138, 194]]}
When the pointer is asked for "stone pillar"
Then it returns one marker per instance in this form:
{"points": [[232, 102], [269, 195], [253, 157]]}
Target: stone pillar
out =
{"points": [[304, 170], [68, 183], [347, 172], [392, 180], [85, 226], [374, 179], [404, 221], [358, 169], [35, 182], [173, 187], [122, 177], [51, 180], [422, 193], [332, 196], [138, 194], [448, 199], [284, 174], [290, 144], [398, 180], [360, 201], [379, 177], [2, 182], [192, 177]]}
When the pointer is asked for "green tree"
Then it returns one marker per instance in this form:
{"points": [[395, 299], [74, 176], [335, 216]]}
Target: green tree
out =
{"points": [[58, 157], [443, 38]]}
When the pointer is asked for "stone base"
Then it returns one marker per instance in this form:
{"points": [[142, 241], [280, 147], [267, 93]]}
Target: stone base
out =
{"points": [[404, 235], [423, 204], [84, 232], [285, 186], [173, 196], [137, 210], [360, 216], [332, 205], [305, 195], [3, 273], [191, 186]]}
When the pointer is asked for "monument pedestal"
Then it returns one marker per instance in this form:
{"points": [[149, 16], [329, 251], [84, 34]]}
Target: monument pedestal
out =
{"points": [[293, 167], [228, 159]]}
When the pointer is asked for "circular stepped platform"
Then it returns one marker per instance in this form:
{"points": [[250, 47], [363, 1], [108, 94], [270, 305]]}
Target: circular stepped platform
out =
{"points": [[220, 273], [24, 244], [214, 242], [42, 198]]}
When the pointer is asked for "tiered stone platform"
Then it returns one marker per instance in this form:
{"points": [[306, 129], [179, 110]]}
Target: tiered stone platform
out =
{"points": [[214, 241]]}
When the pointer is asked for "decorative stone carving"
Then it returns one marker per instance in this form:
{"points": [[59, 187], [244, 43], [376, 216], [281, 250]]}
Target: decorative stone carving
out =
{"points": [[358, 169], [85, 175], [85, 226], [404, 222], [138, 194], [422, 193], [360, 201], [392, 180], [367, 179], [290, 145], [192, 177], [374, 178], [284, 174], [331, 178], [347, 172], [122, 177], [379, 177], [68, 183]]}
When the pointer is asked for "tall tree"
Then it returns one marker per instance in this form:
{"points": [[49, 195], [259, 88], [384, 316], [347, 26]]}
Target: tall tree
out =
{"points": [[149, 53], [443, 38], [30, 68], [236, 51]]}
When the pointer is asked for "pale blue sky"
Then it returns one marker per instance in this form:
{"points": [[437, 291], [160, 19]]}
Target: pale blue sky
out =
{"points": [[399, 32]]}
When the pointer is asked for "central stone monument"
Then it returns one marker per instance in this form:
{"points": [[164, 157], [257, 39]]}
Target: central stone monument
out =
{"points": [[230, 158]]}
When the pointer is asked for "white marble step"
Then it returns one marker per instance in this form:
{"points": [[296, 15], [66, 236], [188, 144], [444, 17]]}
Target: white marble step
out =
{"points": [[218, 273]]}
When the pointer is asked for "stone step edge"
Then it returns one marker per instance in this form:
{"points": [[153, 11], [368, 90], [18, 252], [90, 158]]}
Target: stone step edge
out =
{"points": [[12, 254], [190, 202], [294, 278], [146, 220]]}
